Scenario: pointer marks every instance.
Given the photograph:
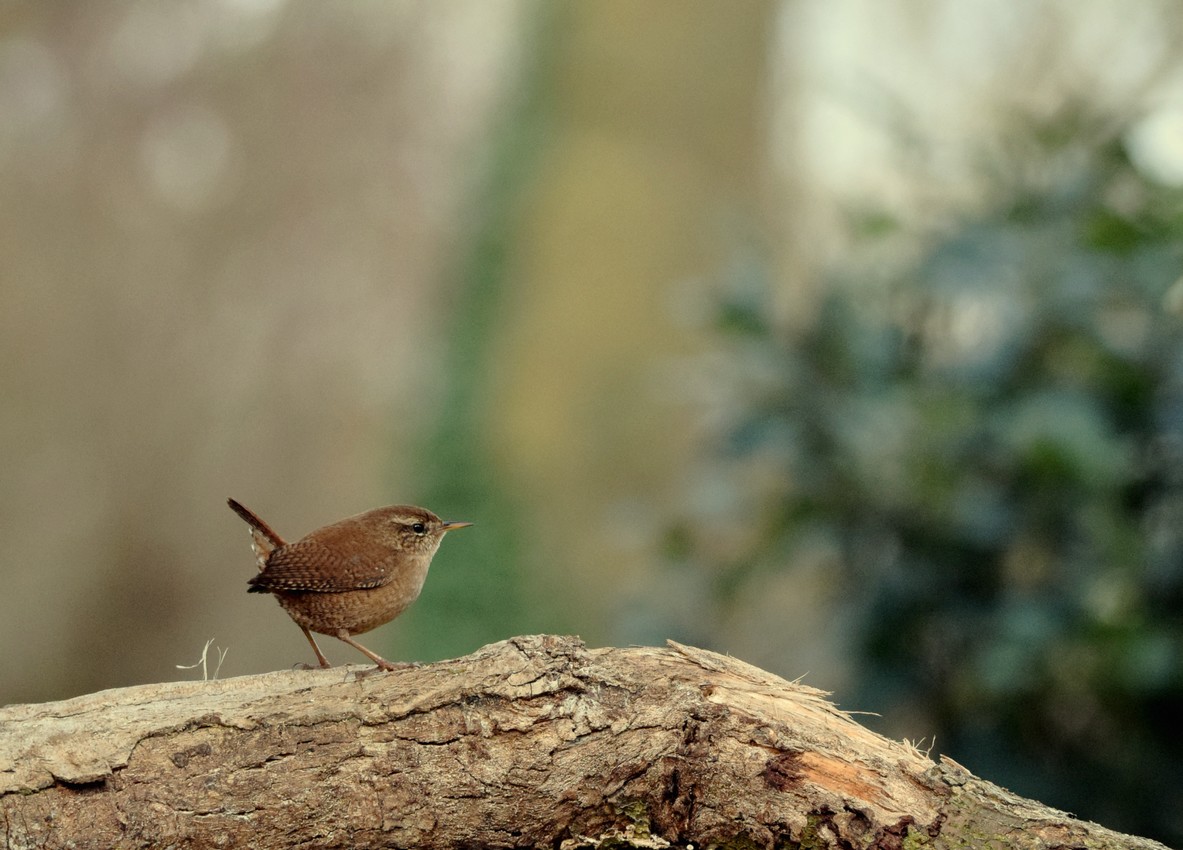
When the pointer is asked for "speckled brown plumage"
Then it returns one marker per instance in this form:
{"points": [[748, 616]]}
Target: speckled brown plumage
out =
{"points": [[349, 577]]}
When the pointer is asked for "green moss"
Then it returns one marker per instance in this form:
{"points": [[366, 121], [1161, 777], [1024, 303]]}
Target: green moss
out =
{"points": [[809, 836], [914, 840], [638, 815]]}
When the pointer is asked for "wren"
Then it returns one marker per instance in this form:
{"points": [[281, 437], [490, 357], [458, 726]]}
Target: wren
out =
{"points": [[349, 577]]}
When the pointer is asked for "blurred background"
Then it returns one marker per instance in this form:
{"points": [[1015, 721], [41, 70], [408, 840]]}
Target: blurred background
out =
{"points": [[842, 336]]}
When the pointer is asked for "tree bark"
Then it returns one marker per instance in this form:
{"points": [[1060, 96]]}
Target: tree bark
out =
{"points": [[531, 742]]}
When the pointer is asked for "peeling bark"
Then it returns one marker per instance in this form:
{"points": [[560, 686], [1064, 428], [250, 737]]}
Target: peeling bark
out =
{"points": [[531, 742]]}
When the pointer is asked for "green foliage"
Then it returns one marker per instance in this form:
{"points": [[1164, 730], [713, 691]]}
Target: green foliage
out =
{"points": [[992, 440], [475, 594]]}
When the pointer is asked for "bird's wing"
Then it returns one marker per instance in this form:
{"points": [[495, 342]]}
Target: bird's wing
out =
{"points": [[309, 566]]}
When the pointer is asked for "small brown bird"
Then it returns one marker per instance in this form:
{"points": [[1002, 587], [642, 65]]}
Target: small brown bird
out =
{"points": [[351, 576]]}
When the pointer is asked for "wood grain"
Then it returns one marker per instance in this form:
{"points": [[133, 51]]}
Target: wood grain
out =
{"points": [[532, 742]]}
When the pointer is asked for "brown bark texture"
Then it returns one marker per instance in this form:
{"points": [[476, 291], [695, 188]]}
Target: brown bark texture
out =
{"points": [[531, 742]]}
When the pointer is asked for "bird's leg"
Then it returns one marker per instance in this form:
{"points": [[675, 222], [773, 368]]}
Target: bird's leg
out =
{"points": [[382, 663], [324, 662]]}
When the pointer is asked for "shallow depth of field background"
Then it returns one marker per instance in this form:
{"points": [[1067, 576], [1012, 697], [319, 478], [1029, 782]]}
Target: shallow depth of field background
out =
{"points": [[842, 336]]}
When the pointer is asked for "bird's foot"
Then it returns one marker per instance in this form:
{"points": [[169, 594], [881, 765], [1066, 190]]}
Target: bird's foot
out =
{"points": [[388, 666], [300, 665], [397, 665]]}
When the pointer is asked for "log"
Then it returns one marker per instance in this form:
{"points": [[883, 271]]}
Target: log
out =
{"points": [[532, 742]]}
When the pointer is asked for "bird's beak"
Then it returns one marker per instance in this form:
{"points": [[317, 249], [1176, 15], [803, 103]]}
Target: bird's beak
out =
{"points": [[452, 526]]}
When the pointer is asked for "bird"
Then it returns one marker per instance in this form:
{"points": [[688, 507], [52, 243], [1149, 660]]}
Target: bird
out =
{"points": [[351, 576]]}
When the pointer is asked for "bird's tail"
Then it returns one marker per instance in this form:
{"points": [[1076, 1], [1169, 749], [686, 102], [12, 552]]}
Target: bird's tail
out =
{"points": [[264, 540]]}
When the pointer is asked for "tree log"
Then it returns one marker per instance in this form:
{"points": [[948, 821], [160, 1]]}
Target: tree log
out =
{"points": [[531, 742]]}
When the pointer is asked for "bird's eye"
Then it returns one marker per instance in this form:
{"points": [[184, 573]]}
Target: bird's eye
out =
{"points": [[418, 527]]}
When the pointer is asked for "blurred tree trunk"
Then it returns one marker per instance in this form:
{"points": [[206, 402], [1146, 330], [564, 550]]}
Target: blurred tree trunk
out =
{"points": [[649, 182], [532, 742]]}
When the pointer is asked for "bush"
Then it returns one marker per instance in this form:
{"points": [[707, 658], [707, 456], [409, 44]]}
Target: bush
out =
{"points": [[992, 440]]}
